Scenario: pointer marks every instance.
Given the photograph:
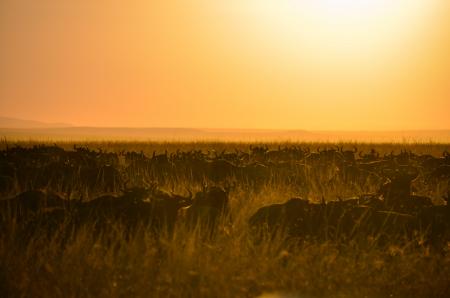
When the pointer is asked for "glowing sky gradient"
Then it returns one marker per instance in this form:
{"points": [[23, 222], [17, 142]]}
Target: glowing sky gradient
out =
{"points": [[291, 64]]}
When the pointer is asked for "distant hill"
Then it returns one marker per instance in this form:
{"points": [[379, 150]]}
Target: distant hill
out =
{"points": [[6, 122], [20, 129]]}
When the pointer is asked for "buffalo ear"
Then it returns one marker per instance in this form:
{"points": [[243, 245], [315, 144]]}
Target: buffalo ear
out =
{"points": [[184, 202], [447, 198], [189, 200]]}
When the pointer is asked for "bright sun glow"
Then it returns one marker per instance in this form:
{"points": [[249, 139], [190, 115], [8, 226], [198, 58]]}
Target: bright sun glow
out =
{"points": [[345, 27], [350, 8]]}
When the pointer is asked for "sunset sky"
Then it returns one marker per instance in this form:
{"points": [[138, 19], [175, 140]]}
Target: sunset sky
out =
{"points": [[289, 64]]}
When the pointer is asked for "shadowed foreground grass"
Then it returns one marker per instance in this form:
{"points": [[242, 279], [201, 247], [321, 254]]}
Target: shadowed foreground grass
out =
{"points": [[233, 264], [184, 265]]}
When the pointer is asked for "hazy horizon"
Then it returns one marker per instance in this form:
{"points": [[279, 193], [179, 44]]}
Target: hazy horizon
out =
{"points": [[16, 123], [15, 129]]}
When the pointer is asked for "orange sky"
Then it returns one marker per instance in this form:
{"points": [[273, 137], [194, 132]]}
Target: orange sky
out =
{"points": [[295, 64]]}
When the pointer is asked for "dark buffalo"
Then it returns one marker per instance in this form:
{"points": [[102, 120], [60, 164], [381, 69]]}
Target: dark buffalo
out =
{"points": [[399, 185], [138, 207], [32, 202], [294, 216], [434, 221], [220, 170], [332, 220], [33, 211], [397, 192], [208, 207]]}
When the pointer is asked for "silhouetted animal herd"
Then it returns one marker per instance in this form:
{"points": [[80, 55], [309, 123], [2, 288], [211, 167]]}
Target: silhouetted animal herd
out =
{"points": [[38, 186]]}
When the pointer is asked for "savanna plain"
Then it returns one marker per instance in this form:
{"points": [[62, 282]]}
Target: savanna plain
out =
{"points": [[224, 219]]}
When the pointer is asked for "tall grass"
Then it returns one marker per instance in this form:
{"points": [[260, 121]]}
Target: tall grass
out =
{"points": [[148, 147], [188, 263]]}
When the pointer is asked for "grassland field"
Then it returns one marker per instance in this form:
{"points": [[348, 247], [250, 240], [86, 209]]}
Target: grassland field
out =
{"points": [[186, 264]]}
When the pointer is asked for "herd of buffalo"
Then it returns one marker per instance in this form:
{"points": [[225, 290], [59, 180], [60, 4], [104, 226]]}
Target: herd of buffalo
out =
{"points": [[47, 188]]}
